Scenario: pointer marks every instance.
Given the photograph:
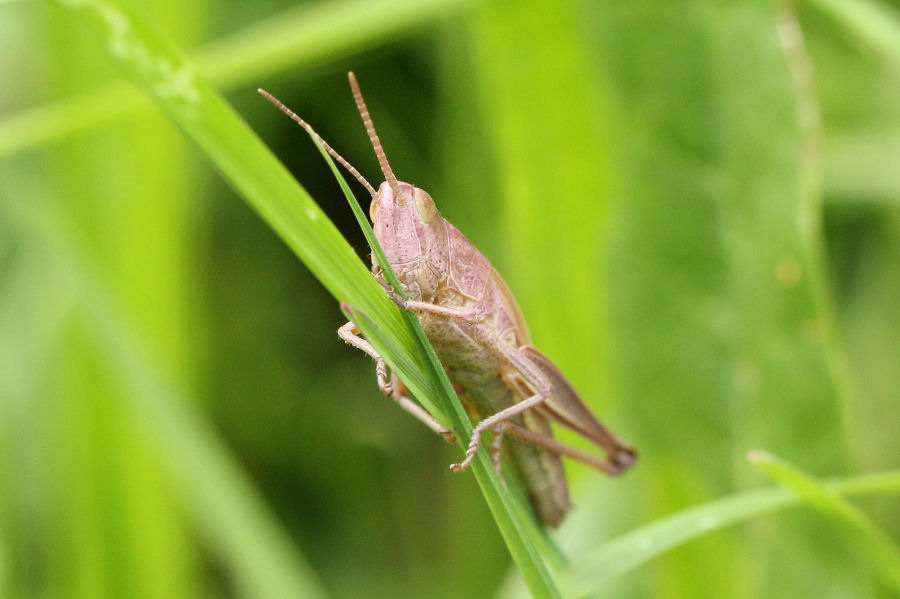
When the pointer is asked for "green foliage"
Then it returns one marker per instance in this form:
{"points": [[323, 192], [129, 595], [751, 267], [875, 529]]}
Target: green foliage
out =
{"points": [[693, 201], [619, 555], [871, 541]]}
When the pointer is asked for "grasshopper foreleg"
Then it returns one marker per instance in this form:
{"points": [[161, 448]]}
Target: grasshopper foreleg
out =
{"points": [[419, 306], [395, 388], [350, 335], [416, 306]]}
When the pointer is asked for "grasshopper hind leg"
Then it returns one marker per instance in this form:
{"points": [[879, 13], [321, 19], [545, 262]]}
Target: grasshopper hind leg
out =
{"points": [[496, 449], [350, 335], [536, 380]]}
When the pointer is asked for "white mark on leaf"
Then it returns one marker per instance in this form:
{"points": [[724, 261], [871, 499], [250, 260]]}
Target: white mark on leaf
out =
{"points": [[166, 79]]}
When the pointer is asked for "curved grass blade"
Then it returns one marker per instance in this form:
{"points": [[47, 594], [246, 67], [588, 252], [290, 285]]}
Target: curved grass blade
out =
{"points": [[242, 159], [634, 548], [868, 540], [248, 166]]}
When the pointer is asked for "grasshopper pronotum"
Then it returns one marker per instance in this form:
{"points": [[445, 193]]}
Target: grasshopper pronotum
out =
{"points": [[480, 336]]}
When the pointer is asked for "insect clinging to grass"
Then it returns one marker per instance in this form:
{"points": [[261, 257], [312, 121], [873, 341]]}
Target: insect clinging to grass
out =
{"points": [[508, 387]]}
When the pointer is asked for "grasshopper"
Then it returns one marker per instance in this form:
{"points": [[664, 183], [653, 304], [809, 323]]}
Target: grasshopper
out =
{"points": [[480, 336]]}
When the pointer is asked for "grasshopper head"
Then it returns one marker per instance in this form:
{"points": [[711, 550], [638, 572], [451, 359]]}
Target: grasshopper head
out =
{"points": [[412, 233], [407, 224]]}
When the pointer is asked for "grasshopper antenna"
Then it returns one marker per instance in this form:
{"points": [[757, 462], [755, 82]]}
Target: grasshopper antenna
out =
{"points": [[278, 104], [373, 137]]}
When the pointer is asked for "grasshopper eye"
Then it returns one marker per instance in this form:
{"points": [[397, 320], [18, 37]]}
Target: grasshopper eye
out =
{"points": [[425, 206], [373, 208]]}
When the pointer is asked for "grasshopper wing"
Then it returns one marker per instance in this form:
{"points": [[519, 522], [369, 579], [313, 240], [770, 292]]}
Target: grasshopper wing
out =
{"points": [[511, 308], [541, 471], [567, 408]]}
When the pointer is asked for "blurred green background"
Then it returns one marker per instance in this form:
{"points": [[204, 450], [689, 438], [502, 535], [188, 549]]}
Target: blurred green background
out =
{"points": [[697, 204]]}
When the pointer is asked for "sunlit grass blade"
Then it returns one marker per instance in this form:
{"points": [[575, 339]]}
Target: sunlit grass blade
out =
{"points": [[547, 115], [632, 549], [299, 37], [251, 169], [870, 541], [243, 160]]}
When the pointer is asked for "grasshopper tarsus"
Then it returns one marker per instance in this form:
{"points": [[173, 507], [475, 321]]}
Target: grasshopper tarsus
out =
{"points": [[470, 452], [623, 459]]}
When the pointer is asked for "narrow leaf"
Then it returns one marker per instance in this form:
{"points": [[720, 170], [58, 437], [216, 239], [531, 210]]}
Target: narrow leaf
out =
{"points": [[869, 540], [637, 547]]}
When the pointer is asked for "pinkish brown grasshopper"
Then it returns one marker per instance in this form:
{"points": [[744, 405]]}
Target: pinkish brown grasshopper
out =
{"points": [[480, 336]]}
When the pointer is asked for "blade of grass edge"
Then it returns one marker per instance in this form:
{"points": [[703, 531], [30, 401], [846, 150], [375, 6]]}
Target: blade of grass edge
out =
{"points": [[870, 541], [522, 536], [636, 547]]}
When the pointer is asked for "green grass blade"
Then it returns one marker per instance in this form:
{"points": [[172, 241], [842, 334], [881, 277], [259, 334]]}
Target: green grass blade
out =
{"points": [[303, 36], [251, 169], [634, 548], [869, 540], [312, 33], [858, 157], [242, 159]]}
